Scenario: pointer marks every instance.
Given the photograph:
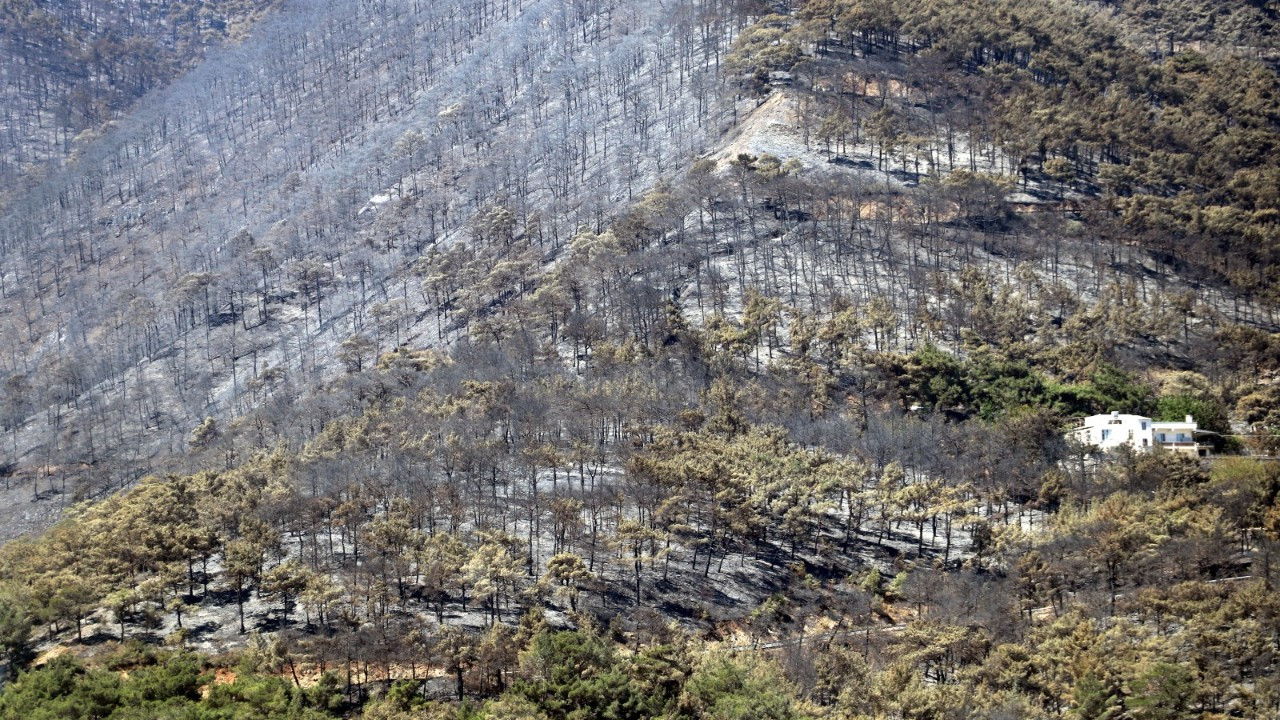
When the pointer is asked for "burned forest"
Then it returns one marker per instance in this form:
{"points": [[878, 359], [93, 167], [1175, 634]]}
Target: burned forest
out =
{"points": [[697, 359]]}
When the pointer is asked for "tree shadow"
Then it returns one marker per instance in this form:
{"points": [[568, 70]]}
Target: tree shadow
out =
{"points": [[203, 631], [274, 622]]}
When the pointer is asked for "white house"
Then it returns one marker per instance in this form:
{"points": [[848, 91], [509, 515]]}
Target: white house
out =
{"points": [[1108, 432], [1179, 436]]}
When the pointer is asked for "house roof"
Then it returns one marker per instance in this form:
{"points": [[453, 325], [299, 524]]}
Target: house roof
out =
{"points": [[1094, 419]]}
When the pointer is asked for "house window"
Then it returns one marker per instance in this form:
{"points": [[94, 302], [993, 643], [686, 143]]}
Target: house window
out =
{"points": [[1160, 437], [1144, 424], [1105, 434]]}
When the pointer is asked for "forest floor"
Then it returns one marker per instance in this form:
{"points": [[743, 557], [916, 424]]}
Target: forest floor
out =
{"points": [[712, 600], [32, 500]]}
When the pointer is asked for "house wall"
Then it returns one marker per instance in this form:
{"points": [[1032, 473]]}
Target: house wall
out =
{"points": [[1176, 436], [1112, 431]]}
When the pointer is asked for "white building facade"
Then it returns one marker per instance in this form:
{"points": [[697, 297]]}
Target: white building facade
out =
{"points": [[1108, 432]]}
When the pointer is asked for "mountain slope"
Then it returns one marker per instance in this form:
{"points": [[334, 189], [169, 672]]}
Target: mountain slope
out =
{"points": [[229, 234], [694, 320], [349, 180]]}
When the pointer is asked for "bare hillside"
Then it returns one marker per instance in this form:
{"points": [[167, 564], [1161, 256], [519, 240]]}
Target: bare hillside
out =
{"points": [[225, 239]]}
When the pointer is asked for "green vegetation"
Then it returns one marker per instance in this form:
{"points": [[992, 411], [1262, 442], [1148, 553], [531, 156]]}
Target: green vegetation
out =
{"points": [[995, 387], [571, 675], [564, 676], [174, 686]]}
